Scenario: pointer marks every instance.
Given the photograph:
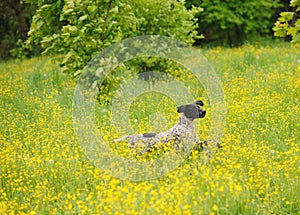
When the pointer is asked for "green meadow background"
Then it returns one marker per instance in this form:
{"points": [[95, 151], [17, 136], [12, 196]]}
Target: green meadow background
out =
{"points": [[257, 171]]}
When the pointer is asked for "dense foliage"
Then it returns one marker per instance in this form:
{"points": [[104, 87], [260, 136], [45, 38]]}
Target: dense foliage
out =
{"points": [[288, 24], [232, 22], [15, 16], [222, 22], [84, 28]]}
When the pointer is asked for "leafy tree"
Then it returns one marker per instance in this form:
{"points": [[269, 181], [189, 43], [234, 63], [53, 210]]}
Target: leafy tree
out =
{"points": [[79, 29], [232, 22], [288, 24], [15, 17], [167, 18]]}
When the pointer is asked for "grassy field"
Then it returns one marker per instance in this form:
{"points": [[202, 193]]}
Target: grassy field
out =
{"points": [[257, 171]]}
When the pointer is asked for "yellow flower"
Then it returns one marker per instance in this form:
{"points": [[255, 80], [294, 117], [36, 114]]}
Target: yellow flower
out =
{"points": [[215, 207]]}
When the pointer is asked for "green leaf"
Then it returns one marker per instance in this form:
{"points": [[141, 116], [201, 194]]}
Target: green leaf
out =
{"points": [[292, 31], [84, 17], [287, 15], [295, 3], [296, 39]]}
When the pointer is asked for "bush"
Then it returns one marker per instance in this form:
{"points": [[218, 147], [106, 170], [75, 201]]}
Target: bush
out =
{"points": [[84, 28]]}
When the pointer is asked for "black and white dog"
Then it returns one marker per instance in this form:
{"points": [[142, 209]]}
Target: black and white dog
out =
{"points": [[180, 133]]}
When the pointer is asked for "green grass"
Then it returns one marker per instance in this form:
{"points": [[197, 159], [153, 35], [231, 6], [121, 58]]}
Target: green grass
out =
{"points": [[44, 171]]}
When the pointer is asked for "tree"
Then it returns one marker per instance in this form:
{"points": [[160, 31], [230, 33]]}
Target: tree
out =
{"points": [[232, 22], [288, 24], [79, 29], [15, 17]]}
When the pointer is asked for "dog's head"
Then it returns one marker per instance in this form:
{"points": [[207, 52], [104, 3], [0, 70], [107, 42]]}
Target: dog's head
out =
{"points": [[192, 111]]}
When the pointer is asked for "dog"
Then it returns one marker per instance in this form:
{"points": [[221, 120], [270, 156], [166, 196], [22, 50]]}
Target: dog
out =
{"points": [[180, 133]]}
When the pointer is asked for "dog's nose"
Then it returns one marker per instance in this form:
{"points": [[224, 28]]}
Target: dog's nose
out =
{"points": [[203, 113]]}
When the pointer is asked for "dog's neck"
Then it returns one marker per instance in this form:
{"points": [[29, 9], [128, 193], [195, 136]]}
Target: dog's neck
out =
{"points": [[183, 120]]}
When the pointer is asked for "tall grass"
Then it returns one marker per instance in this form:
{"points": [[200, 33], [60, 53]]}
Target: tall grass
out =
{"points": [[44, 171]]}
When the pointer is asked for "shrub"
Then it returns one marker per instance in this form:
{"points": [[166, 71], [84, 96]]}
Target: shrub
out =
{"points": [[83, 28]]}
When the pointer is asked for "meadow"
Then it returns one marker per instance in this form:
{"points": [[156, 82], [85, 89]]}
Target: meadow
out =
{"points": [[257, 171]]}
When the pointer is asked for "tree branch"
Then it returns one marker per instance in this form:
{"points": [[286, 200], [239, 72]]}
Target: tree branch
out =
{"points": [[106, 19]]}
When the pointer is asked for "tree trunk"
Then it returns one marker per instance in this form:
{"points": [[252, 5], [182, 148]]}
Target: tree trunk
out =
{"points": [[295, 17], [16, 6]]}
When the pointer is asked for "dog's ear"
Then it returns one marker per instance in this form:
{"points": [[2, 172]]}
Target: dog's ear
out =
{"points": [[200, 103], [190, 111], [180, 109]]}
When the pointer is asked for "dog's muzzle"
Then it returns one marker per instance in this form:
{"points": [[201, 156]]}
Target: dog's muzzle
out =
{"points": [[202, 113]]}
